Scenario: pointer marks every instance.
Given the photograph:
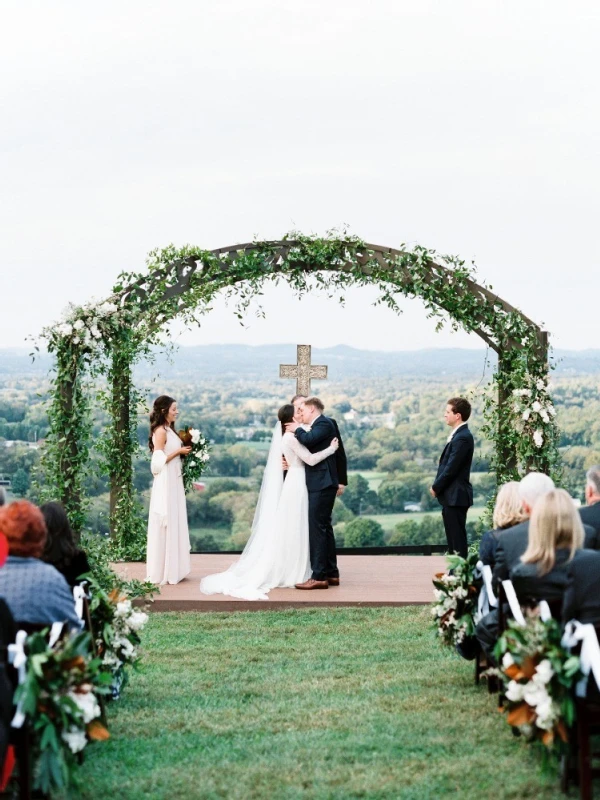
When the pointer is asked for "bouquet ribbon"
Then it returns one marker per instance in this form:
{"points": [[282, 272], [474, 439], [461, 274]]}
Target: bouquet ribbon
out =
{"points": [[589, 656], [18, 658]]}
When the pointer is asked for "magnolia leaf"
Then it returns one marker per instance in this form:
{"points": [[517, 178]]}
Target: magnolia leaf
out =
{"points": [[97, 732], [521, 715]]}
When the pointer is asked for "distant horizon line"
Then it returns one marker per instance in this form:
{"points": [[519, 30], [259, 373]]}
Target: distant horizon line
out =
{"points": [[27, 351]]}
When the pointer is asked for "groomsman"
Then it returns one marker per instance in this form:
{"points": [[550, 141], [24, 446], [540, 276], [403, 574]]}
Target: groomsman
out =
{"points": [[452, 485]]}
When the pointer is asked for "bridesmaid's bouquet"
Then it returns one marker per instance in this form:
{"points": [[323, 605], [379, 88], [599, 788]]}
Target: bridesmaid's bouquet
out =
{"points": [[194, 464]]}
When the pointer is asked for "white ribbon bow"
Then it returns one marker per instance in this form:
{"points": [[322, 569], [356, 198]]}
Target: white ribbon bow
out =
{"points": [[18, 658], [589, 656], [79, 594], [487, 599], [511, 596]]}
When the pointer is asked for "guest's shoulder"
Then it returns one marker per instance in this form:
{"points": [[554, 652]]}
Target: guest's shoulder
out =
{"points": [[586, 559], [524, 570]]}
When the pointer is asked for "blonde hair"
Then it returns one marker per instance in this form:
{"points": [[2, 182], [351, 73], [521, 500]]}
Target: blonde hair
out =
{"points": [[508, 510], [555, 523]]}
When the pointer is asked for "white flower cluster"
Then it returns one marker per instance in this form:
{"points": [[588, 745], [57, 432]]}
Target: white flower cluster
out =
{"points": [[82, 324], [535, 694], [536, 409], [122, 650], [446, 606], [89, 709]]}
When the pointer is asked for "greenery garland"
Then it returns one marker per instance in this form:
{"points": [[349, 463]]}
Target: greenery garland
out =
{"points": [[183, 282]]}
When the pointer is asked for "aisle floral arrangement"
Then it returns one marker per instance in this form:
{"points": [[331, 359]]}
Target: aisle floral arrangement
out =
{"points": [[539, 676], [60, 698], [117, 625], [194, 464], [455, 603]]}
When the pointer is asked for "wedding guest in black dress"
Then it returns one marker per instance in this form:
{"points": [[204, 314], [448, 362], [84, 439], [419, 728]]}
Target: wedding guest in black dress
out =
{"points": [[508, 512], [61, 550], [555, 540]]}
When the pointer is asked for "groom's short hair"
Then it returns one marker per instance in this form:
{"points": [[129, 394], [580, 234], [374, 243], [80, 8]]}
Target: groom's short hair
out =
{"points": [[315, 403], [460, 406], [297, 397]]}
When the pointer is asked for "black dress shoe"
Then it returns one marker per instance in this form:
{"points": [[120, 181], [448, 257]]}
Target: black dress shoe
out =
{"points": [[335, 581]]}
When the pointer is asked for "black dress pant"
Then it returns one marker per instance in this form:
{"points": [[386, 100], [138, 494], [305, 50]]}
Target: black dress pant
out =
{"points": [[323, 559], [455, 525]]}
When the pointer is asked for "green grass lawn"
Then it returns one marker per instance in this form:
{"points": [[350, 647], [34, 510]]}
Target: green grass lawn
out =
{"points": [[389, 521], [373, 478], [345, 703]]}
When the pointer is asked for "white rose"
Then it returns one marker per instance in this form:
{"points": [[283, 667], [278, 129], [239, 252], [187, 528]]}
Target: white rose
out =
{"points": [[96, 332], [537, 407], [123, 608], [526, 414], [195, 434], [507, 660], [78, 325], [551, 410], [137, 620], [514, 692], [76, 340], [544, 415], [543, 672], [533, 694], [538, 438], [75, 738], [87, 704]]}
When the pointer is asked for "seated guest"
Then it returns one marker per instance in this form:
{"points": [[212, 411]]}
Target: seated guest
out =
{"points": [[582, 596], [512, 543], [35, 592], [508, 512], [555, 536], [61, 550], [590, 513]]}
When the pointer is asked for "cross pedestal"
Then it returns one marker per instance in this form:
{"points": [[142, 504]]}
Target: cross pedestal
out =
{"points": [[303, 371]]}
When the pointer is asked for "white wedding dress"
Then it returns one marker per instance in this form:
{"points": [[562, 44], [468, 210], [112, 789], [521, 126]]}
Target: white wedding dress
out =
{"points": [[277, 553]]}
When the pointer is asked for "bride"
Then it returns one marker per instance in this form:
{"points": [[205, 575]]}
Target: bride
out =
{"points": [[277, 552]]}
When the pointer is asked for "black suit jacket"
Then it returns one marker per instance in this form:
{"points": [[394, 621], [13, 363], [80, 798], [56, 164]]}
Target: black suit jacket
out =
{"points": [[590, 515], [325, 474], [582, 597], [452, 485], [551, 586], [340, 458], [513, 542]]}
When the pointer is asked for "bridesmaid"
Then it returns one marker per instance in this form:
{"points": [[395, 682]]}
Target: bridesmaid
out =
{"points": [[168, 554]]}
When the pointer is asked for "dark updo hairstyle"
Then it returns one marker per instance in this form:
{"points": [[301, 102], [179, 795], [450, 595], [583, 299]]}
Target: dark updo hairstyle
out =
{"points": [[60, 547], [285, 415], [158, 416]]}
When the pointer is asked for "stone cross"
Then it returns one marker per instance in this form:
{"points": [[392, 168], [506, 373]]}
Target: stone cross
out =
{"points": [[303, 371]]}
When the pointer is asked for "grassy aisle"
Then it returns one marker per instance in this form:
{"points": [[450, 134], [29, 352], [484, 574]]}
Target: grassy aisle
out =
{"points": [[307, 704]]}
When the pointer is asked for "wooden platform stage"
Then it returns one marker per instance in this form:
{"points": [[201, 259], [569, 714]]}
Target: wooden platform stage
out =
{"points": [[365, 581]]}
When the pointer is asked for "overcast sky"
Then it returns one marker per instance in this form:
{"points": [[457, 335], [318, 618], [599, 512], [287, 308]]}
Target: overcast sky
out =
{"points": [[468, 127]]}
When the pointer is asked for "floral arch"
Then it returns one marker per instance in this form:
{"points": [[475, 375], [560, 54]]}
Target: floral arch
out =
{"points": [[105, 341]]}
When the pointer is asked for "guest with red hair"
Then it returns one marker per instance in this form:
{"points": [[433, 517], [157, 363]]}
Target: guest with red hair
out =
{"points": [[35, 592]]}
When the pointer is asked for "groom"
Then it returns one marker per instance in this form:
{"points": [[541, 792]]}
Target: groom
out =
{"points": [[323, 484], [452, 485]]}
